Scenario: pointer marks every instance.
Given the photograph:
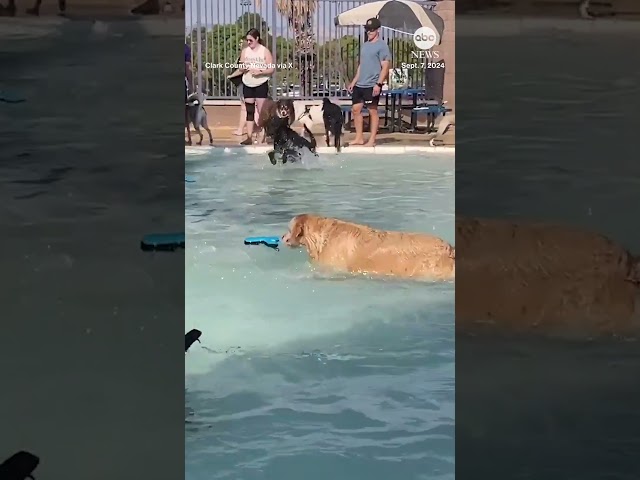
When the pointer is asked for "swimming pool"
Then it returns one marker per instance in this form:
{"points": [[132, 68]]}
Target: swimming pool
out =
{"points": [[302, 375]]}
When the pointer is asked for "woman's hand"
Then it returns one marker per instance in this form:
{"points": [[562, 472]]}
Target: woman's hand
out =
{"points": [[256, 71]]}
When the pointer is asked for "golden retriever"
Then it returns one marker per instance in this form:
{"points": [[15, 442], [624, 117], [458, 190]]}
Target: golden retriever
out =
{"points": [[544, 278], [357, 248]]}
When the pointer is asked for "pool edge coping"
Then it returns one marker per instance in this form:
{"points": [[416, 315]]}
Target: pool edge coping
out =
{"points": [[383, 149]]}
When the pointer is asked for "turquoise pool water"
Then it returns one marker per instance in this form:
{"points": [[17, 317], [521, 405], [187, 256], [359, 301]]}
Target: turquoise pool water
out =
{"points": [[304, 375]]}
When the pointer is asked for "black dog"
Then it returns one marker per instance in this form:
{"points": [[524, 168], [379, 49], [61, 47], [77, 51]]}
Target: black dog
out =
{"points": [[19, 466], [197, 115], [191, 337], [288, 144], [333, 119]]}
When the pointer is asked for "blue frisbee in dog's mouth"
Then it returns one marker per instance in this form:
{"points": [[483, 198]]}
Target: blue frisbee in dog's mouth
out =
{"points": [[271, 242]]}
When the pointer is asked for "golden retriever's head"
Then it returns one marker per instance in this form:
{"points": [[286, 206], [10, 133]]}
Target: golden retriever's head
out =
{"points": [[298, 228]]}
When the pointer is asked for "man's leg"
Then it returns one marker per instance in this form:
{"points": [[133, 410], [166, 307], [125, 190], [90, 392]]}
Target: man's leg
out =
{"points": [[374, 121], [356, 109], [358, 122]]}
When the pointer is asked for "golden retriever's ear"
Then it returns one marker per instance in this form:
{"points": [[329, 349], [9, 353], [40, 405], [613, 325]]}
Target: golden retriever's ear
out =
{"points": [[297, 229]]}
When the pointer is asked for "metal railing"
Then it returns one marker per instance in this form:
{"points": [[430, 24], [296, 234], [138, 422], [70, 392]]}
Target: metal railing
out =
{"points": [[216, 30]]}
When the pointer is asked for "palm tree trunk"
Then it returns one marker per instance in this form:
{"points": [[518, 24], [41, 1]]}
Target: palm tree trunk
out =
{"points": [[306, 64], [306, 55]]}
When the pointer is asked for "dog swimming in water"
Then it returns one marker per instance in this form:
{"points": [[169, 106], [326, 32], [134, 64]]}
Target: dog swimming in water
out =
{"points": [[288, 145], [273, 111]]}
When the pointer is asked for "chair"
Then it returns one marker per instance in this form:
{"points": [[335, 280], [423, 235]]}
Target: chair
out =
{"points": [[433, 104]]}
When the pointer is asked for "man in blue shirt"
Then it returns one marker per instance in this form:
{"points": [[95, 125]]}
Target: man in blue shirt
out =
{"points": [[365, 88]]}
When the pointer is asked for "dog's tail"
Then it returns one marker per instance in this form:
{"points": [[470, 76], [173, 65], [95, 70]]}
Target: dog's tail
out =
{"points": [[312, 139]]}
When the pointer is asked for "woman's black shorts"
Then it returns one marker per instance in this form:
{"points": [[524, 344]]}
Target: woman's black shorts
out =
{"points": [[261, 91]]}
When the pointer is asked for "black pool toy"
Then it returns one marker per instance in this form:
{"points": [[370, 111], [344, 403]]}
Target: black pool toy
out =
{"points": [[191, 337], [19, 466], [7, 97]]}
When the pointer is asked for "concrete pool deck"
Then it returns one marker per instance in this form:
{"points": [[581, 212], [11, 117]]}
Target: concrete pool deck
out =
{"points": [[223, 120]]}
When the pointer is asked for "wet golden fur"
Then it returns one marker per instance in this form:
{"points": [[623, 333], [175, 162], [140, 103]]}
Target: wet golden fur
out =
{"points": [[357, 248], [544, 278]]}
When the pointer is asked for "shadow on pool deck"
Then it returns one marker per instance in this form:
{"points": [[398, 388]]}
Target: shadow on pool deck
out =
{"points": [[223, 120]]}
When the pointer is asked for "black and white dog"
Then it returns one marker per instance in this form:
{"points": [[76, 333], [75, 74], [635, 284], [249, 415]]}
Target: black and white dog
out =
{"points": [[288, 145], [197, 115], [333, 120]]}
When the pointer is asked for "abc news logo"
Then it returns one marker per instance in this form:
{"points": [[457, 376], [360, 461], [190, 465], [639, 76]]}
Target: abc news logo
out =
{"points": [[425, 38]]}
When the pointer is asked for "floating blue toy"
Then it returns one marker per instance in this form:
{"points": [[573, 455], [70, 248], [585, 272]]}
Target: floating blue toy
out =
{"points": [[8, 97], [162, 241], [189, 179], [271, 242]]}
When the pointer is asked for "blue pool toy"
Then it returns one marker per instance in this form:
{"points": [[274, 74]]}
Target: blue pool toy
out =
{"points": [[162, 241], [189, 179], [8, 97], [271, 242]]}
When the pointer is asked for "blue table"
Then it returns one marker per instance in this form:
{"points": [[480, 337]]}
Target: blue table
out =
{"points": [[396, 107]]}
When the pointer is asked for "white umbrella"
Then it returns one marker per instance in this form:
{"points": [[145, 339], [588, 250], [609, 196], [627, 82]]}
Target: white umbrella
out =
{"points": [[400, 15]]}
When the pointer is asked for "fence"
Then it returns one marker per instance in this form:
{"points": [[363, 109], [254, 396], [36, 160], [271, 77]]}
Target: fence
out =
{"points": [[314, 58]]}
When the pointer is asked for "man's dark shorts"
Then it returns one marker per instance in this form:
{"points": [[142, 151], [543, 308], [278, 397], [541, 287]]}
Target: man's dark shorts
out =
{"points": [[364, 95]]}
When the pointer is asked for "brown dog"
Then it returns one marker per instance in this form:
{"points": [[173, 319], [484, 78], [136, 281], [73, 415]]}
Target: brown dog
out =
{"points": [[544, 279], [360, 249], [283, 108]]}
